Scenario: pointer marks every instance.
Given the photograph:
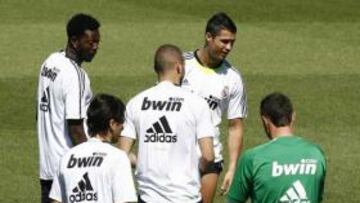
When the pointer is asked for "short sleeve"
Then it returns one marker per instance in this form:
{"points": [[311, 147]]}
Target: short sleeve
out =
{"points": [[237, 107], [57, 188], [73, 85], [322, 173], [242, 182], [204, 126], [123, 188], [129, 124]]}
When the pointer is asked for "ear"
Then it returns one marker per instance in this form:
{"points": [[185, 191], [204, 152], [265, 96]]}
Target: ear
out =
{"points": [[112, 124], [265, 120], [74, 42], [293, 118], [178, 68], [208, 36]]}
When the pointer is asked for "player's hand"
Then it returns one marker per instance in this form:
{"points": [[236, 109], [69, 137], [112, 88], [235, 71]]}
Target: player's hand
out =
{"points": [[225, 186]]}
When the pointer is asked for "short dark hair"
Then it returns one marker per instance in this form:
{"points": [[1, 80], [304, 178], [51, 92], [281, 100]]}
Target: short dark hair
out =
{"points": [[278, 108], [218, 22], [102, 109], [79, 23], [166, 56]]}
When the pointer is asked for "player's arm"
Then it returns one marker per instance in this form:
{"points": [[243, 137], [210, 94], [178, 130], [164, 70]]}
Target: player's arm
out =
{"points": [[207, 153], [54, 201], [126, 143], [76, 131], [235, 142], [74, 103], [205, 133], [128, 134], [242, 181]]}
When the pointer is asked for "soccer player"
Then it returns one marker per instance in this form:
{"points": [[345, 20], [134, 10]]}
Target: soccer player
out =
{"points": [[209, 75], [286, 169], [96, 171], [63, 95], [169, 124]]}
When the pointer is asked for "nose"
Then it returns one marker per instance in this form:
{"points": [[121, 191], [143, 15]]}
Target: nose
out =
{"points": [[95, 46], [228, 46]]}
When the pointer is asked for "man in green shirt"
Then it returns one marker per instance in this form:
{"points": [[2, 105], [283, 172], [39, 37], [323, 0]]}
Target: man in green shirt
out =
{"points": [[286, 169]]}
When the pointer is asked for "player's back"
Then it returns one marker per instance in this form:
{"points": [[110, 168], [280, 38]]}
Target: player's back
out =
{"points": [[89, 173], [166, 119], [286, 169]]}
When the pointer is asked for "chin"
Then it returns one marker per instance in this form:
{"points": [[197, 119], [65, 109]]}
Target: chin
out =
{"points": [[89, 57]]}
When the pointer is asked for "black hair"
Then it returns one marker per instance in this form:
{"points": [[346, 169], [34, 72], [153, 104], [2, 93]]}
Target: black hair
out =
{"points": [[102, 109], [79, 23], [278, 108], [166, 56], [218, 22]]}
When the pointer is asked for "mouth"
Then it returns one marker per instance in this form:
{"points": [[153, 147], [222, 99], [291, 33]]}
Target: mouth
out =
{"points": [[224, 54]]}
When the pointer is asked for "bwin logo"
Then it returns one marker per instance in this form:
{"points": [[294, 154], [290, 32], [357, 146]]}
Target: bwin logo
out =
{"points": [[160, 132], [305, 167], [213, 102], [84, 191], [94, 161], [50, 73], [173, 104]]}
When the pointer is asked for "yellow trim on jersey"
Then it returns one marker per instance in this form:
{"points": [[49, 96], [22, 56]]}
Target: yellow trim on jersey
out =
{"points": [[209, 71]]}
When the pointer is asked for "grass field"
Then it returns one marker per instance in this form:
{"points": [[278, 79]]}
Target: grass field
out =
{"points": [[308, 49]]}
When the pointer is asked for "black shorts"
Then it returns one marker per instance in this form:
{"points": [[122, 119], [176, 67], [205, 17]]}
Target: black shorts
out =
{"points": [[215, 167], [45, 190], [142, 201]]}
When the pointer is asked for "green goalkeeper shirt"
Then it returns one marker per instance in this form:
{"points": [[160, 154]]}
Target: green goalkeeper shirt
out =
{"points": [[286, 169]]}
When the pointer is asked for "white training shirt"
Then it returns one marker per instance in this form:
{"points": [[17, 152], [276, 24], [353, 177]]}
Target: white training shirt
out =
{"points": [[63, 93], [168, 121], [222, 88], [94, 171]]}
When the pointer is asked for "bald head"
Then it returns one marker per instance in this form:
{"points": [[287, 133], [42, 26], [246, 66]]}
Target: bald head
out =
{"points": [[167, 57]]}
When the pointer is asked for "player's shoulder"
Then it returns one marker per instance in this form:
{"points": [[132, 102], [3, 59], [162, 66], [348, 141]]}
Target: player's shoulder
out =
{"points": [[57, 57], [232, 72], [190, 61], [114, 151], [311, 146], [139, 96], [188, 55], [194, 98], [259, 151], [62, 63], [195, 102]]}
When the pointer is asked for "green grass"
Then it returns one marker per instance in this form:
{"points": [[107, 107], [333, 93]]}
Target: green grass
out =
{"points": [[307, 49]]}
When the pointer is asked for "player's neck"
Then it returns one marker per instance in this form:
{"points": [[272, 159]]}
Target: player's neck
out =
{"points": [[72, 54], [281, 132], [170, 78], [205, 59], [102, 138]]}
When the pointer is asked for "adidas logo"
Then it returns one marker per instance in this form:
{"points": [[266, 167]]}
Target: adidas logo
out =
{"points": [[160, 131], [212, 101], [84, 191], [173, 104], [296, 193]]}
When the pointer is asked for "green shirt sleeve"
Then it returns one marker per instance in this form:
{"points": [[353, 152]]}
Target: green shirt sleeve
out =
{"points": [[242, 182], [322, 183]]}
